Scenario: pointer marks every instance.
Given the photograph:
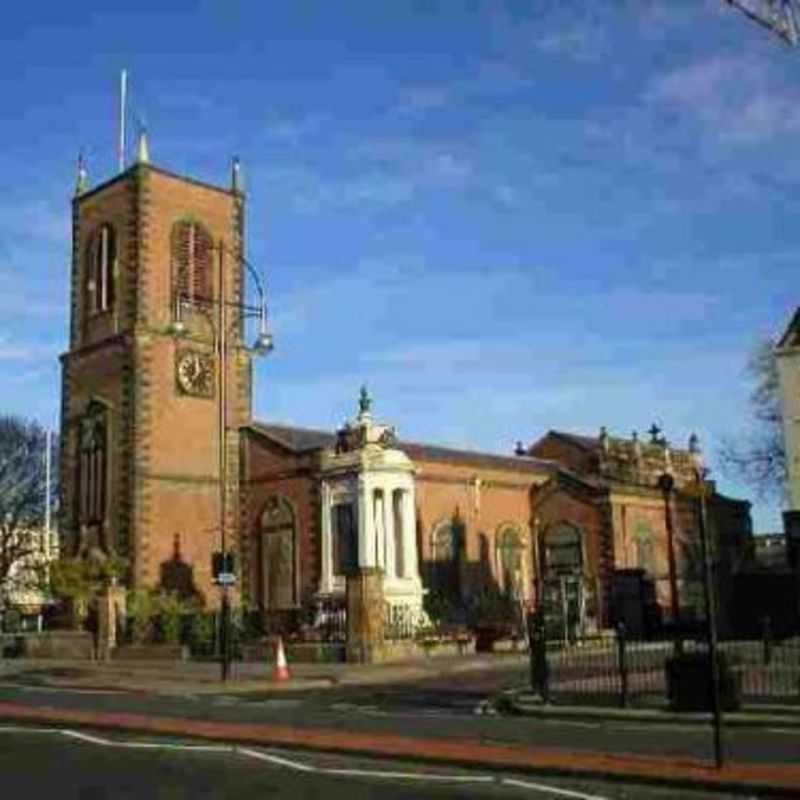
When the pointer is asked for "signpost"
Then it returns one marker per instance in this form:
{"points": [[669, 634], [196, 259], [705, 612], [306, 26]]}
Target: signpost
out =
{"points": [[222, 568]]}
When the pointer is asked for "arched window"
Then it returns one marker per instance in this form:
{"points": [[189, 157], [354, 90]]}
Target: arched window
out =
{"points": [[93, 465], [101, 258], [645, 549], [278, 554], [446, 544], [192, 250], [510, 553], [445, 541], [563, 553]]}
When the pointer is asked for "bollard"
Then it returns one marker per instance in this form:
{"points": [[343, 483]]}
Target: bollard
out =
{"points": [[539, 669], [766, 638], [622, 664]]}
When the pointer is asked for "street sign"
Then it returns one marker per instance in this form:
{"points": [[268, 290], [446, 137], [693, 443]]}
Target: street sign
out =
{"points": [[226, 578]]}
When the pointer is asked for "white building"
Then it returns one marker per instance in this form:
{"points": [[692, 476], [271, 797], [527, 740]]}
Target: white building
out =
{"points": [[369, 516]]}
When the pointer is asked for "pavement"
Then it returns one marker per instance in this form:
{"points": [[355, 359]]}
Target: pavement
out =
{"points": [[203, 677], [500, 744], [522, 702]]}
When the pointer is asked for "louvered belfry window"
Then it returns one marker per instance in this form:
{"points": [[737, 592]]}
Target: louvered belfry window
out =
{"points": [[191, 260], [100, 270]]}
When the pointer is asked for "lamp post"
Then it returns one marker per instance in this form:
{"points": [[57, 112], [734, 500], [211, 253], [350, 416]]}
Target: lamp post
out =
{"points": [[701, 473], [262, 346], [667, 483]]}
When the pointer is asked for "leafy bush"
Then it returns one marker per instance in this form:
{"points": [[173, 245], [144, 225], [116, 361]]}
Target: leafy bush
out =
{"points": [[141, 608], [77, 579], [493, 606], [442, 608], [169, 609], [202, 633]]}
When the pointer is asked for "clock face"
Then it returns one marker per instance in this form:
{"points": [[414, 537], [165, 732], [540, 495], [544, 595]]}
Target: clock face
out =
{"points": [[195, 373]]}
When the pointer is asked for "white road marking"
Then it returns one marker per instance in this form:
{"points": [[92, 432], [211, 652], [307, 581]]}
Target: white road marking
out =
{"points": [[414, 776], [85, 737], [202, 748], [308, 768], [284, 762], [543, 787]]}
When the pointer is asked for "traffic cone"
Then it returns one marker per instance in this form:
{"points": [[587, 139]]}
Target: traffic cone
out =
{"points": [[281, 670]]}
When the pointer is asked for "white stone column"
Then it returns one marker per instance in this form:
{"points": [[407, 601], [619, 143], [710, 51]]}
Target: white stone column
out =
{"points": [[326, 543], [389, 534], [410, 557]]}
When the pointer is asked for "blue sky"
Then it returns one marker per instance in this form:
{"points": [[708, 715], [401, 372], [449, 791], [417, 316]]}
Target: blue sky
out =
{"points": [[505, 217]]}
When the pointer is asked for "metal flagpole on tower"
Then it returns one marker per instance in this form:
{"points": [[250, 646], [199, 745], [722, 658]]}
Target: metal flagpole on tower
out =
{"points": [[47, 467], [123, 90]]}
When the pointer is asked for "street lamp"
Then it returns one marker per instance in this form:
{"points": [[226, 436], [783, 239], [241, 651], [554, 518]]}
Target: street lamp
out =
{"points": [[667, 483], [262, 345], [701, 473]]}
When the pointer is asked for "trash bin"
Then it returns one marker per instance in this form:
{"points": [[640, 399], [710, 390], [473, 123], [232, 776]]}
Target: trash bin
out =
{"points": [[689, 683]]}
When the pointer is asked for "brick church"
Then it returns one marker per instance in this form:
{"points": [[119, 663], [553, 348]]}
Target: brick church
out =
{"points": [[163, 463]]}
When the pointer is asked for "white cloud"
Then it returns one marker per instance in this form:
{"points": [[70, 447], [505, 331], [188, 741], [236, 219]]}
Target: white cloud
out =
{"points": [[295, 130], [15, 350], [423, 98], [737, 100]]}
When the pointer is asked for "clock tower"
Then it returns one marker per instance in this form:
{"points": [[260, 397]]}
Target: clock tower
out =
{"points": [[143, 409]]}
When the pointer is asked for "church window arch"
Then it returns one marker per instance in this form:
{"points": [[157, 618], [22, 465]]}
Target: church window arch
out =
{"points": [[645, 548], [93, 473], [191, 253], [446, 545], [100, 269], [278, 536], [563, 549], [446, 540], [510, 555]]}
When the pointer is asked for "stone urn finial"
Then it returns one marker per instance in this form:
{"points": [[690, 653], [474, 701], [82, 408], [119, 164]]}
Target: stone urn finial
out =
{"points": [[364, 401], [82, 182]]}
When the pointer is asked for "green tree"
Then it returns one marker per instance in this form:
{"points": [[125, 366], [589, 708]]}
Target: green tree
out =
{"points": [[78, 579], [757, 456]]}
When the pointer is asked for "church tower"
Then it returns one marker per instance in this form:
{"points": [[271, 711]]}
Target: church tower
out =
{"points": [[153, 253]]}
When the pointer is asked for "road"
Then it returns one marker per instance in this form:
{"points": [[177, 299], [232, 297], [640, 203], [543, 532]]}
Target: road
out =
{"points": [[75, 765], [426, 709]]}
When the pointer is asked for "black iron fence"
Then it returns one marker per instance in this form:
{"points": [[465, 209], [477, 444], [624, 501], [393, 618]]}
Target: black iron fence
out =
{"points": [[618, 669]]}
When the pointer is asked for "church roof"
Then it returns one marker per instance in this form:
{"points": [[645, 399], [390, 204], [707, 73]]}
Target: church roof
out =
{"points": [[415, 450], [301, 440], [584, 442]]}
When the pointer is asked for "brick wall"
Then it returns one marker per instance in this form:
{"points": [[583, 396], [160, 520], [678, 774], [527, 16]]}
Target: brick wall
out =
{"points": [[272, 470]]}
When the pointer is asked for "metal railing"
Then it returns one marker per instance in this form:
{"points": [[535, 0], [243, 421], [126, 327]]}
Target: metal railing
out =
{"points": [[618, 669]]}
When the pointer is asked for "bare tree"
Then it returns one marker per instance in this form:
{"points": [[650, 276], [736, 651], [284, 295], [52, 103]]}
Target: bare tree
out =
{"points": [[758, 455], [23, 491]]}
